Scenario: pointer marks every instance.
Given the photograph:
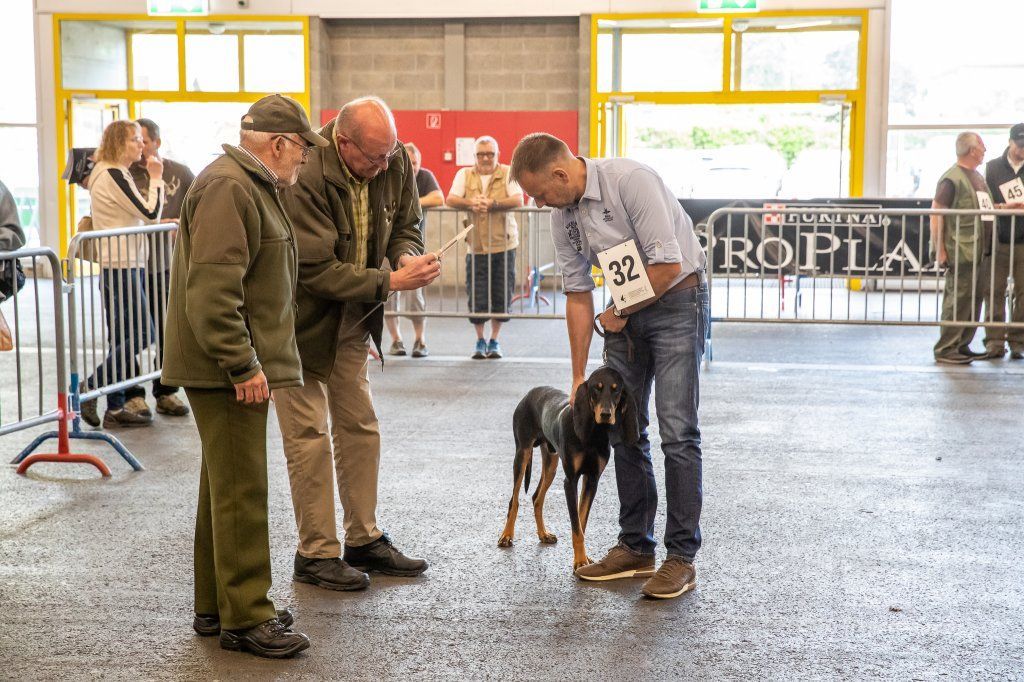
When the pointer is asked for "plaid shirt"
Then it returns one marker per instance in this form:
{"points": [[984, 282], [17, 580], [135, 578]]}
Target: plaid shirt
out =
{"points": [[360, 214]]}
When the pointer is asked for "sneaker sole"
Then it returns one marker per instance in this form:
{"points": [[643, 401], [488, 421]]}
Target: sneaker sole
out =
{"points": [[641, 573], [313, 580], [671, 595], [172, 413], [245, 645], [388, 571]]}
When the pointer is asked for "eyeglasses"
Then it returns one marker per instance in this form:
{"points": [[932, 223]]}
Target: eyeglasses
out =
{"points": [[305, 148], [485, 155], [383, 160]]}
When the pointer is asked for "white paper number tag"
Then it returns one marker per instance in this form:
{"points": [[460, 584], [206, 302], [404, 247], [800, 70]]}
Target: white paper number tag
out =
{"points": [[1012, 190], [625, 275], [985, 203]]}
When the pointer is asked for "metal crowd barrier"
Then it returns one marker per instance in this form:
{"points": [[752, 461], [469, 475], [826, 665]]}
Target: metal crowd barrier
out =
{"points": [[527, 283], [38, 369], [857, 265]]}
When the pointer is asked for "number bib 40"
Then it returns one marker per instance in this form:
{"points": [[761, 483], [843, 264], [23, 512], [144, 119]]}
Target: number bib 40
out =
{"points": [[625, 275]]}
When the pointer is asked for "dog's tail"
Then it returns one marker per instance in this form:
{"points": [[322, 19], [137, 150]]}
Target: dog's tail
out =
{"points": [[526, 476]]}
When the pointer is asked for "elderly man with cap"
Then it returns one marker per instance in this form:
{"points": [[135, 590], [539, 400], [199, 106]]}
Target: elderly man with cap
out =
{"points": [[1005, 178], [354, 205], [230, 342]]}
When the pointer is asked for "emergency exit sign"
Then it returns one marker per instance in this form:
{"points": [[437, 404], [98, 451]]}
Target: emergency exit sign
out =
{"points": [[178, 8], [727, 5]]}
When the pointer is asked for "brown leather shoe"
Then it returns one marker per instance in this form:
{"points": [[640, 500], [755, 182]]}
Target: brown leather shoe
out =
{"points": [[618, 563], [674, 578]]}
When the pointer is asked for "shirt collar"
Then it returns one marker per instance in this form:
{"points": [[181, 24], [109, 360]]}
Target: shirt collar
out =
{"points": [[593, 189], [352, 179], [260, 164]]}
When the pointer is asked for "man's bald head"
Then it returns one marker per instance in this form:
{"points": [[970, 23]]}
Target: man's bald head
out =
{"points": [[369, 119], [366, 136]]}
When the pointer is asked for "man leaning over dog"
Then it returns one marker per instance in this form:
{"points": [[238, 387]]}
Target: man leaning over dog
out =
{"points": [[354, 205], [605, 203]]}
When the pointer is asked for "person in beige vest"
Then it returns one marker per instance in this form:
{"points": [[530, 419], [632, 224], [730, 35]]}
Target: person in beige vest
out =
{"points": [[487, 189]]}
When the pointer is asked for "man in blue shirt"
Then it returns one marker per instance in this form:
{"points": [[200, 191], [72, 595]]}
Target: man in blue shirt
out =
{"points": [[605, 203]]}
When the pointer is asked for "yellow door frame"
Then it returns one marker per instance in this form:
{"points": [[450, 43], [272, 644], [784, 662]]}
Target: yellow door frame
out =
{"points": [[601, 102], [133, 97]]}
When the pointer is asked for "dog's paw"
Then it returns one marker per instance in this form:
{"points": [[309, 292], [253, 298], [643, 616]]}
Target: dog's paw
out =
{"points": [[580, 563], [505, 541], [548, 539]]}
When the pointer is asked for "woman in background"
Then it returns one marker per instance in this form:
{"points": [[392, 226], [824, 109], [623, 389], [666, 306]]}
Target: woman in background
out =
{"points": [[116, 202]]}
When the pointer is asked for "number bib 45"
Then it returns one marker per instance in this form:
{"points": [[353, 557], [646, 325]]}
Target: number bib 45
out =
{"points": [[625, 275]]}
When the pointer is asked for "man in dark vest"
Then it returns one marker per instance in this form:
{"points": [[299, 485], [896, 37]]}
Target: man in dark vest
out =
{"points": [[1005, 178]]}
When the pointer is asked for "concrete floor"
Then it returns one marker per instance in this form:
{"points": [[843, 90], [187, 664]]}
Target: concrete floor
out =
{"points": [[862, 519]]}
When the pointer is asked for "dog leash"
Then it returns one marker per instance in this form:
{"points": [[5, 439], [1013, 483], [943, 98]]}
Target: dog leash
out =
{"points": [[630, 353]]}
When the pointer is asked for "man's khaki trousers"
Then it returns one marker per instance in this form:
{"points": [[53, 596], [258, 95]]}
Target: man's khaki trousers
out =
{"points": [[355, 457]]}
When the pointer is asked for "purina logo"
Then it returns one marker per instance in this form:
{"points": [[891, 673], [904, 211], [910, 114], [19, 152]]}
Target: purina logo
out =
{"points": [[607, 216]]}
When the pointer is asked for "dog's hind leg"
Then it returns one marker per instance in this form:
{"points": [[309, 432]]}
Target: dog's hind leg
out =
{"points": [[579, 551], [547, 475], [524, 456]]}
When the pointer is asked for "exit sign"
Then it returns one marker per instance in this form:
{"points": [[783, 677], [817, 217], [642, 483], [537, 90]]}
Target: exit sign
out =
{"points": [[178, 8], [727, 5]]}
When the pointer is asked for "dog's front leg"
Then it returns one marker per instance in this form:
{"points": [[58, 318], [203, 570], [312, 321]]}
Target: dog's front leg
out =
{"points": [[579, 550]]}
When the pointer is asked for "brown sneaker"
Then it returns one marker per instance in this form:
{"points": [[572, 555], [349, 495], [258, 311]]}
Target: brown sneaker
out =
{"points": [[171, 405], [619, 562], [138, 406], [675, 577]]}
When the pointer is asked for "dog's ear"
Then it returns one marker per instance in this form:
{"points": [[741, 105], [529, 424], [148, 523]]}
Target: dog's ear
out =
{"points": [[627, 418], [582, 414]]}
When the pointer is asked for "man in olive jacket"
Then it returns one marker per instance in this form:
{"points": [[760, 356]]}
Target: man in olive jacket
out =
{"points": [[354, 205], [230, 341]]}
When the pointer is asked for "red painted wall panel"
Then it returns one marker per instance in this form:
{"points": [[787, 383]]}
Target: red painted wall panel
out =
{"points": [[437, 144]]}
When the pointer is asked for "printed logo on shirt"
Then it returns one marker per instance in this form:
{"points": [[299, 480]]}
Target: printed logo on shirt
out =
{"points": [[607, 217], [172, 186], [574, 235]]}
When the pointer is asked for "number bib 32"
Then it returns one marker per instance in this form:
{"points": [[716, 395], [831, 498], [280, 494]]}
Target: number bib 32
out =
{"points": [[625, 275]]}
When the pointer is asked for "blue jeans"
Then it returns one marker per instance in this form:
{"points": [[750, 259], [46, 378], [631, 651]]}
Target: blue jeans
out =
{"points": [[668, 345], [129, 329]]}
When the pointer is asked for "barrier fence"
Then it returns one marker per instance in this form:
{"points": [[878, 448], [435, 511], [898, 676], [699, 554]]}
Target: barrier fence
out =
{"points": [[825, 265], [864, 266], [39, 369]]}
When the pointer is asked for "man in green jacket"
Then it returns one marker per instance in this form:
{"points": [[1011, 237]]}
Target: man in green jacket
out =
{"points": [[354, 205], [230, 342]]}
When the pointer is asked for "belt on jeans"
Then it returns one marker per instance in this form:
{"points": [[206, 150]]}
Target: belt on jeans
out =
{"points": [[691, 281]]}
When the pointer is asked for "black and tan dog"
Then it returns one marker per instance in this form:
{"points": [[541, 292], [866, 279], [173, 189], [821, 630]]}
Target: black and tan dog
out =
{"points": [[578, 434]]}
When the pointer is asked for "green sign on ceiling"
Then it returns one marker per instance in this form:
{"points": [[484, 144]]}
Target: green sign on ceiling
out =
{"points": [[178, 8], [727, 5]]}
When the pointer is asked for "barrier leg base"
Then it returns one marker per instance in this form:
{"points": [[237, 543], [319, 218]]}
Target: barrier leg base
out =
{"points": [[112, 441], [64, 459]]}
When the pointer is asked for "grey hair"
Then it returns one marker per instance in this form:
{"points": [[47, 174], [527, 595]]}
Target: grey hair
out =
{"points": [[486, 139], [412, 149], [536, 152], [347, 122], [255, 139], [965, 142]]}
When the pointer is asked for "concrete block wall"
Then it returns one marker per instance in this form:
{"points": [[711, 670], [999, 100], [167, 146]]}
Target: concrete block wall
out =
{"points": [[400, 61], [522, 64], [508, 64]]}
